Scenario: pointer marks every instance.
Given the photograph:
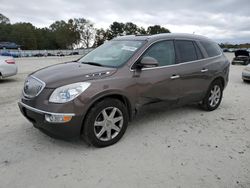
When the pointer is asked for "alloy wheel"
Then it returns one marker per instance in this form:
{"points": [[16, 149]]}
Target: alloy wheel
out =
{"points": [[215, 95], [108, 123]]}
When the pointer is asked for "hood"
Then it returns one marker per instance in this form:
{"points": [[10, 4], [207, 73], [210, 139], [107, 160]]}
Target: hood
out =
{"points": [[71, 72], [241, 53]]}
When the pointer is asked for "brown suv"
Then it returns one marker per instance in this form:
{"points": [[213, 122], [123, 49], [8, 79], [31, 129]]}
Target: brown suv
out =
{"points": [[97, 95]]}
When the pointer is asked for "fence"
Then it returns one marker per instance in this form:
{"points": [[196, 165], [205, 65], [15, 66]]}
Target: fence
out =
{"points": [[40, 53]]}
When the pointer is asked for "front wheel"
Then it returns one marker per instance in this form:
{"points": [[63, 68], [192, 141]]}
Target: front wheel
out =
{"points": [[213, 97], [105, 123]]}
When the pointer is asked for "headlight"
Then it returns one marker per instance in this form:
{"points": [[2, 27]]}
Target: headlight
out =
{"points": [[69, 92]]}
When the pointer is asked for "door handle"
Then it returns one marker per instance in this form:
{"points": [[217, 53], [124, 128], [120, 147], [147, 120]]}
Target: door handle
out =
{"points": [[204, 70], [175, 77]]}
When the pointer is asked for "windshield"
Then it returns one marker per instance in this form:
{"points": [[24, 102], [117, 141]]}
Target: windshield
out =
{"points": [[112, 53]]}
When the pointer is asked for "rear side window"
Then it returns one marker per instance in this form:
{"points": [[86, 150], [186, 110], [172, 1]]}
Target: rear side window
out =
{"points": [[185, 50], [198, 51], [211, 48], [163, 52]]}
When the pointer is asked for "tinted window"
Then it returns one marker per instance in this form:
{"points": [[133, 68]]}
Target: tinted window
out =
{"points": [[163, 52], [198, 51], [186, 51], [211, 47]]}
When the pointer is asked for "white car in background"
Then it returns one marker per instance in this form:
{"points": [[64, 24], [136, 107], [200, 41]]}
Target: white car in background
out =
{"points": [[8, 66], [246, 74]]}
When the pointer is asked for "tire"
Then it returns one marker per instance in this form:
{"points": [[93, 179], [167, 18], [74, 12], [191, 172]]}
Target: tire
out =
{"points": [[105, 123], [212, 101]]}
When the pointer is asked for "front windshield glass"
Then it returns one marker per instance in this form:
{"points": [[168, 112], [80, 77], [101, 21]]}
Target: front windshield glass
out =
{"points": [[112, 53]]}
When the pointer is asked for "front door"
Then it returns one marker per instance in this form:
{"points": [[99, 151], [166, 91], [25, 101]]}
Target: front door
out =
{"points": [[161, 82]]}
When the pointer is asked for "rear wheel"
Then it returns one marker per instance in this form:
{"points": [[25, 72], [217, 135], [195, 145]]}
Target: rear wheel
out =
{"points": [[105, 123], [213, 97]]}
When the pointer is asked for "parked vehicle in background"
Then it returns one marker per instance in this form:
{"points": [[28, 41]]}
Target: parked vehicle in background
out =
{"points": [[241, 57], [12, 53], [74, 53], [8, 67], [60, 54], [231, 50], [50, 54], [39, 55], [9, 45], [97, 95], [246, 74]]}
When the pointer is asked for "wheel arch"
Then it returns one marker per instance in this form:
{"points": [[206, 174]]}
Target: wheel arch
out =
{"points": [[220, 79], [115, 95]]}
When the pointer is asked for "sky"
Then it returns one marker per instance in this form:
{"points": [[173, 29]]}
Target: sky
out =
{"points": [[221, 20]]}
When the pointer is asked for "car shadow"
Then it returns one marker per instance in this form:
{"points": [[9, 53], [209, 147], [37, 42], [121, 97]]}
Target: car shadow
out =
{"points": [[151, 112], [68, 144], [157, 110], [8, 80]]}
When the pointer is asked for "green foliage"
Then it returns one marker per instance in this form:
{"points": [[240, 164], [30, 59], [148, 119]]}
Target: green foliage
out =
{"points": [[86, 32], [100, 37], [4, 19], [156, 29], [228, 45], [5, 30], [129, 28], [64, 34], [24, 34], [76, 33]]}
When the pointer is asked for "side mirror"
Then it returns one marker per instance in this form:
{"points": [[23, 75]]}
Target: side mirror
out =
{"points": [[148, 62]]}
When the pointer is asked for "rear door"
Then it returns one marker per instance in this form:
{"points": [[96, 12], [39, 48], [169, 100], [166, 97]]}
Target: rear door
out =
{"points": [[192, 71]]}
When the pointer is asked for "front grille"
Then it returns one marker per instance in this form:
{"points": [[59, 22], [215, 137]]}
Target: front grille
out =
{"points": [[32, 87]]}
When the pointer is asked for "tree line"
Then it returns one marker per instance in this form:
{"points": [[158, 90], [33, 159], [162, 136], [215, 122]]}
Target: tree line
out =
{"points": [[74, 33], [228, 45]]}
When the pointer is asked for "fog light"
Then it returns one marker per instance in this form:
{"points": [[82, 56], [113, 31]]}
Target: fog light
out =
{"points": [[57, 118]]}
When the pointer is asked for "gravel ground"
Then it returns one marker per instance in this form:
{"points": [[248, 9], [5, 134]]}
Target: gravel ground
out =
{"points": [[180, 147]]}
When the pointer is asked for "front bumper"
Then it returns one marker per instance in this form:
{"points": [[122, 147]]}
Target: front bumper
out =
{"points": [[9, 70], [241, 62], [68, 130], [246, 75]]}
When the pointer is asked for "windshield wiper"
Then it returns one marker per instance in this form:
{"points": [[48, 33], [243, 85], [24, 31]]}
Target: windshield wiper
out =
{"points": [[93, 63]]}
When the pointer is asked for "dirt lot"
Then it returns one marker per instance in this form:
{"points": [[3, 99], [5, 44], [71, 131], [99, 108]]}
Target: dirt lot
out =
{"points": [[181, 147]]}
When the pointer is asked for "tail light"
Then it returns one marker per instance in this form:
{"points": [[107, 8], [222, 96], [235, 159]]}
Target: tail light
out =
{"points": [[10, 61]]}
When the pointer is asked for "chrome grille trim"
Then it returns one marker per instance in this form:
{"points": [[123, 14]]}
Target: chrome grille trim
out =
{"points": [[44, 112], [42, 87]]}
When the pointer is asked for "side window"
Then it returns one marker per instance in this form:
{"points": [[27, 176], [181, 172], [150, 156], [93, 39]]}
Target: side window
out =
{"points": [[163, 52], [198, 51], [211, 48], [185, 50]]}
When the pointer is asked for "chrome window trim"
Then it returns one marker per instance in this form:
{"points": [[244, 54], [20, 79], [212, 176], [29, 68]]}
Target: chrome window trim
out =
{"points": [[177, 64], [43, 86], [44, 112]]}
